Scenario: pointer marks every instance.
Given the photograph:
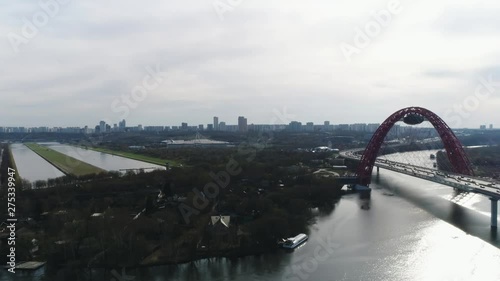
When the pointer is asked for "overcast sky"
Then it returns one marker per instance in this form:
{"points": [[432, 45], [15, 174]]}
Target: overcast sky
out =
{"points": [[271, 61]]}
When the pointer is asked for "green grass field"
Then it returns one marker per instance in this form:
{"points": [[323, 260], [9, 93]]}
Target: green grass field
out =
{"points": [[65, 163], [134, 156]]}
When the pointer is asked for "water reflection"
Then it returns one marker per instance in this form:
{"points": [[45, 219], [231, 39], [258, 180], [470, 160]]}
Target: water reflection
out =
{"points": [[493, 233], [102, 160], [31, 166], [458, 217], [248, 268]]}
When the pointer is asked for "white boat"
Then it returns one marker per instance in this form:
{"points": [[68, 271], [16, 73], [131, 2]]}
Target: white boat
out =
{"points": [[293, 242]]}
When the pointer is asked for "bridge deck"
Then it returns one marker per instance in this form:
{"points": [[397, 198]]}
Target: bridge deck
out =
{"points": [[461, 182]]}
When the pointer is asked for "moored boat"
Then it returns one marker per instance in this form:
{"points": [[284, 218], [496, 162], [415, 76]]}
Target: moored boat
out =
{"points": [[293, 242]]}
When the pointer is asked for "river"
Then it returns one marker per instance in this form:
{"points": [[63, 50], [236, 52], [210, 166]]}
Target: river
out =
{"points": [[413, 230], [417, 158]]}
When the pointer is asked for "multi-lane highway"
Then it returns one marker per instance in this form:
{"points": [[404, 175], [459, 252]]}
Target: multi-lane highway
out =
{"points": [[484, 186]]}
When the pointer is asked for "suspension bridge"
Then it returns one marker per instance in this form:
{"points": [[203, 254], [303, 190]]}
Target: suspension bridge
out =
{"points": [[462, 177]]}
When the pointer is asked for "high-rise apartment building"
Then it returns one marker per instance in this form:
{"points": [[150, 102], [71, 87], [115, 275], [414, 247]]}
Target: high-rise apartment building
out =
{"points": [[309, 126], [122, 125], [222, 126], [102, 127], [242, 124], [216, 123], [295, 126]]}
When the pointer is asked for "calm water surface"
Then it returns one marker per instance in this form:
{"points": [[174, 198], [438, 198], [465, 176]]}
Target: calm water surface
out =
{"points": [[102, 160], [31, 166]]}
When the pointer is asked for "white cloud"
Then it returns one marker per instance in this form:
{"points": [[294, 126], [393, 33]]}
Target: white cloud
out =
{"points": [[264, 55]]}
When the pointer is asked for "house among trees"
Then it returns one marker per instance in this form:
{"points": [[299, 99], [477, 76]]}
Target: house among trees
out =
{"points": [[220, 221], [221, 233]]}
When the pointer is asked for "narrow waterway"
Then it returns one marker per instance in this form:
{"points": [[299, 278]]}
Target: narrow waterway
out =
{"points": [[32, 167], [99, 159]]}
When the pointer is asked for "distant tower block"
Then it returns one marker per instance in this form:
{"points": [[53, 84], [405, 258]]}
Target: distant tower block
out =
{"points": [[216, 123], [242, 124]]}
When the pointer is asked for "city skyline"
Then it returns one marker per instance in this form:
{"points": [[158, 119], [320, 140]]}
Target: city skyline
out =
{"points": [[242, 125], [322, 63], [215, 123]]}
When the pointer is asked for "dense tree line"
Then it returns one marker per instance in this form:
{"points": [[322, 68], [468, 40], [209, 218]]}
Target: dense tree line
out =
{"points": [[5, 164], [481, 137], [485, 161]]}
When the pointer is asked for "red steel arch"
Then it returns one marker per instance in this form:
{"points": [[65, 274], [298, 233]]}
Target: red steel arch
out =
{"points": [[456, 154]]}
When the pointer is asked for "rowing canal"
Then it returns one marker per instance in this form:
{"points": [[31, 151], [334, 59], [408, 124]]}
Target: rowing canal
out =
{"points": [[33, 167]]}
